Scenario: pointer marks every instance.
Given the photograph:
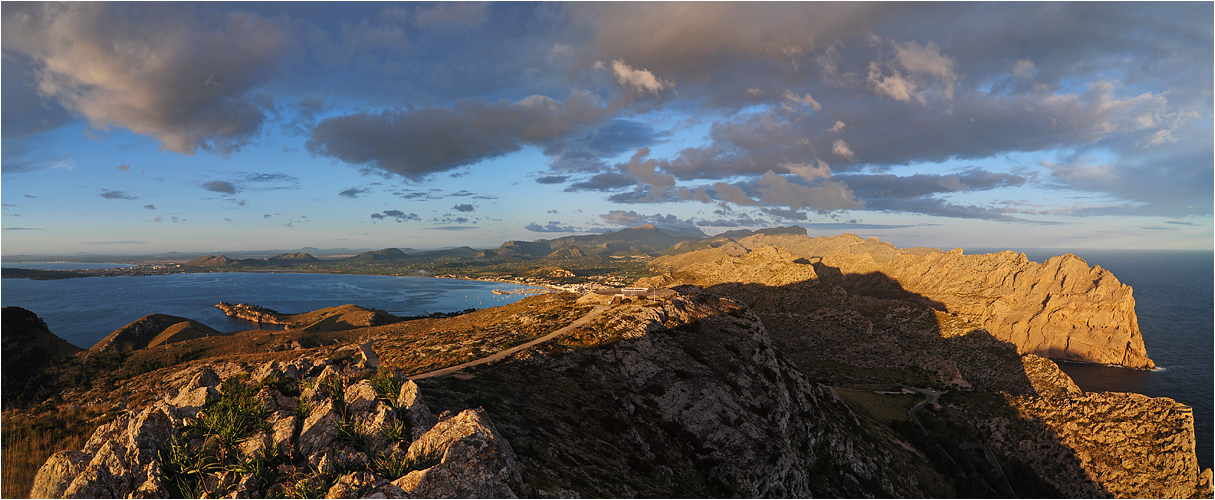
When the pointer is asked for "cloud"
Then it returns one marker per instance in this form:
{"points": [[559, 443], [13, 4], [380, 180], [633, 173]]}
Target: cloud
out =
{"points": [[464, 207], [182, 75], [822, 196], [552, 179], [637, 80], [743, 221], [150, 206], [422, 141], [22, 229], [631, 218], [396, 214], [352, 192], [220, 187], [553, 227], [124, 167], [116, 195], [451, 228], [454, 16]]}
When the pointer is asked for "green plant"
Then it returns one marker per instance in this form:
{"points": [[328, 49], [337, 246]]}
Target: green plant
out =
{"points": [[387, 387], [397, 429], [395, 465]]}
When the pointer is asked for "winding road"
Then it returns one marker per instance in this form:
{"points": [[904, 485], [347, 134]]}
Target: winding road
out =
{"points": [[502, 354]]}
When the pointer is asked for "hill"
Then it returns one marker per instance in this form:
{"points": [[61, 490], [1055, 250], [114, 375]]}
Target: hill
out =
{"points": [[27, 345], [150, 331]]}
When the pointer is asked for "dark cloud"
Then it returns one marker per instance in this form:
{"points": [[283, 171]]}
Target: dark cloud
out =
{"points": [[667, 222], [398, 215], [150, 206], [744, 221], [451, 228], [464, 207], [124, 167], [116, 195], [270, 177], [786, 214], [1182, 223], [418, 142], [553, 227], [845, 226], [221, 187], [552, 179], [352, 192], [183, 75], [23, 229], [25, 112]]}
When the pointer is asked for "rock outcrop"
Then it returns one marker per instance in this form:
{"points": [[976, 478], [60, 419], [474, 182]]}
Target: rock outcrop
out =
{"points": [[1128, 445], [1061, 308], [327, 441], [150, 331]]}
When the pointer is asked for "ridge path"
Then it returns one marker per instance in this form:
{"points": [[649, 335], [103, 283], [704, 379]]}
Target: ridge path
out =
{"points": [[503, 354]]}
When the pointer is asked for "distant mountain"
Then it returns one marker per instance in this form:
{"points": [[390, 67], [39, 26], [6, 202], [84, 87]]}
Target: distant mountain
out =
{"points": [[211, 261], [385, 254], [738, 234], [293, 257]]}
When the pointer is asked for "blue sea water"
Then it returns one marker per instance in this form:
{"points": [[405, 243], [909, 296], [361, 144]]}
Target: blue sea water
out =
{"points": [[64, 266], [1174, 293], [85, 310]]}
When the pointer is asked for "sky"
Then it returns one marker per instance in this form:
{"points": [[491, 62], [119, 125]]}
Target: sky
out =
{"points": [[137, 128]]}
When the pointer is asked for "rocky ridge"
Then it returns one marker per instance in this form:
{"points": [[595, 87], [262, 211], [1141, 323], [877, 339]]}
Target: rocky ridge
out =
{"points": [[339, 438], [1061, 308]]}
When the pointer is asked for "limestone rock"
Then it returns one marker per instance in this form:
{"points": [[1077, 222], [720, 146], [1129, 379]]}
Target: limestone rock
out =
{"points": [[57, 473], [414, 407], [476, 463]]}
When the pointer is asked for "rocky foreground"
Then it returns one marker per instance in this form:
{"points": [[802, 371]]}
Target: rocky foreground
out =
{"points": [[782, 366]]}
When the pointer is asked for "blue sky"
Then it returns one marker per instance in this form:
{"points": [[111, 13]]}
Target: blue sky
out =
{"points": [[202, 127]]}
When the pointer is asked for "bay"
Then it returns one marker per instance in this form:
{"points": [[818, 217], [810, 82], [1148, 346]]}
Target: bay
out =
{"points": [[85, 310], [63, 266]]}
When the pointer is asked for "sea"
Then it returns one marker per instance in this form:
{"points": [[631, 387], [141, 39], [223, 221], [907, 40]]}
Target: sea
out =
{"points": [[1174, 291], [82, 311]]}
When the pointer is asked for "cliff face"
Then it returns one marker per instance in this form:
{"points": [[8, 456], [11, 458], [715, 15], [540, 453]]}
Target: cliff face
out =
{"points": [[686, 397], [1061, 308], [1128, 445]]}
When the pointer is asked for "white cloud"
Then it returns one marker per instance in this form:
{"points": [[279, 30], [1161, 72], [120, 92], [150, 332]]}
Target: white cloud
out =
{"points": [[638, 79], [805, 100], [842, 150]]}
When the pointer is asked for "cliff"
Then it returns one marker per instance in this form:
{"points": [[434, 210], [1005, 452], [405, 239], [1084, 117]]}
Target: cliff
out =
{"points": [[1061, 308]]}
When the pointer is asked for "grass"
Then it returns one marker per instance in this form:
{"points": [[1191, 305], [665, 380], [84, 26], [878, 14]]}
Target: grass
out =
{"points": [[32, 437], [392, 466], [209, 443], [883, 408]]}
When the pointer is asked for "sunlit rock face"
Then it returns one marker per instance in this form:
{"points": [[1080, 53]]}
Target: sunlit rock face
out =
{"points": [[1061, 308]]}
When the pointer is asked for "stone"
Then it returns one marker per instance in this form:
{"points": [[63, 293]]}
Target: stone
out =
{"points": [[413, 407], [57, 473], [319, 429], [476, 462], [361, 397]]}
